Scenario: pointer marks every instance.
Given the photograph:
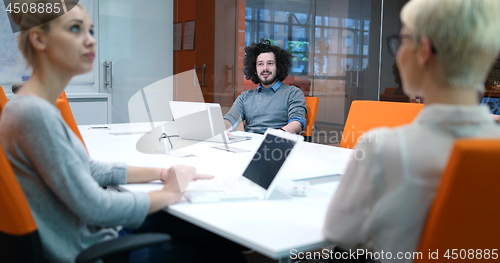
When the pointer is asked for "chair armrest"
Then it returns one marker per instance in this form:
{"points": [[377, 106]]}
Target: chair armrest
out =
{"points": [[120, 247]]}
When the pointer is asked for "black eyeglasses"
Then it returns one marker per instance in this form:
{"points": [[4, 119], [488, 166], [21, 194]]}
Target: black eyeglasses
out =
{"points": [[394, 42], [164, 135]]}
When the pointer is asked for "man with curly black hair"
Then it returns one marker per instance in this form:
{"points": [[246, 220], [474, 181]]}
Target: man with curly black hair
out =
{"points": [[273, 104]]}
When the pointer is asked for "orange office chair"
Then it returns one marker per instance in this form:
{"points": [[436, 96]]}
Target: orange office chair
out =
{"points": [[19, 239], [3, 99], [365, 115], [63, 106], [466, 209], [312, 110]]}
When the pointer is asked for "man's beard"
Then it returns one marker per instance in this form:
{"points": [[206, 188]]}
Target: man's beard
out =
{"points": [[268, 81]]}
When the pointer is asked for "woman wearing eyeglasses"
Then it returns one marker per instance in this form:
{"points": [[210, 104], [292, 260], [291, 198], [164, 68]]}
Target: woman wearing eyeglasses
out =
{"points": [[64, 188], [444, 51]]}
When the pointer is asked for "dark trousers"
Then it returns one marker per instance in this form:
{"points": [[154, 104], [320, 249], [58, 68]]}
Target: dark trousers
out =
{"points": [[189, 243]]}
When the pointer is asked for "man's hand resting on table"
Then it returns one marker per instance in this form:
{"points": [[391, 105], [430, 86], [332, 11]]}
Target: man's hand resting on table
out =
{"points": [[176, 180]]}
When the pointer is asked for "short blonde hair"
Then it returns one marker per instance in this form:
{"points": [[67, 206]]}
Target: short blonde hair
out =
{"points": [[465, 34], [28, 21]]}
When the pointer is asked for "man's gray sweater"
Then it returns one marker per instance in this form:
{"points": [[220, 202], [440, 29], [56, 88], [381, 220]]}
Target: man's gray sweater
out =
{"points": [[267, 108]]}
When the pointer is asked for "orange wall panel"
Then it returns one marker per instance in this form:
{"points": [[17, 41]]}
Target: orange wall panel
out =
{"points": [[184, 10]]}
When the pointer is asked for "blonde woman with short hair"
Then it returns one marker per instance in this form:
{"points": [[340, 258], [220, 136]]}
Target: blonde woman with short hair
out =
{"points": [[444, 51]]}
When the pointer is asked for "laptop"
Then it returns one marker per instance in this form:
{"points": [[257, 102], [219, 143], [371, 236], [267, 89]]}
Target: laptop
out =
{"points": [[201, 122], [493, 104], [258, 181]]}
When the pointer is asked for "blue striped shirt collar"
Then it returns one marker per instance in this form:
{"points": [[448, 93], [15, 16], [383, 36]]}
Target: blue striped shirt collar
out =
{"points": [[275, 87]]}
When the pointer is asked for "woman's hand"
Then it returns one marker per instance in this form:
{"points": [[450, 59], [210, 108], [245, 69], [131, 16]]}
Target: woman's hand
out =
{"points": [[176, 179], [184, 171]]}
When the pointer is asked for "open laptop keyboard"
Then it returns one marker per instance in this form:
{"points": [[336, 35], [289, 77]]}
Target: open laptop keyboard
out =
{"points": [[229, 187]]}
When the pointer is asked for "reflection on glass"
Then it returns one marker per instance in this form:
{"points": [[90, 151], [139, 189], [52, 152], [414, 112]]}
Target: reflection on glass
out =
{"points": [[366, 26], [275, 25], [249, 13], [265, 15], [248, 31], [281, 16], [318, 20]]}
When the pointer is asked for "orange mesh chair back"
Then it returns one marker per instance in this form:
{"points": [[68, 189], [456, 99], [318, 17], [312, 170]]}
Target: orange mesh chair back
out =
{"points": [[365, 115], [63, 106], [466, 208], [19, 240], [312, 110], [3, 99]]}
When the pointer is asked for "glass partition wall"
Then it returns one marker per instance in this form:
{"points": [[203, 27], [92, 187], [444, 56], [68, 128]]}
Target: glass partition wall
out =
{"points": [[335, 46]]}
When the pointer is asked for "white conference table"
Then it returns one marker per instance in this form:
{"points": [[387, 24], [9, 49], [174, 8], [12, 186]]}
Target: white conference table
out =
{"points": [[271, 227]]}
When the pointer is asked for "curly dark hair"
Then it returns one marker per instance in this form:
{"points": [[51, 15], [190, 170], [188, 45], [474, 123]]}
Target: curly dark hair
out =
{"points": [[283, 60]]}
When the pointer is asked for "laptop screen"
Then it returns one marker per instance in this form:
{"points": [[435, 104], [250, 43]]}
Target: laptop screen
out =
{"points": [[493, 104], [268, 160]]}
